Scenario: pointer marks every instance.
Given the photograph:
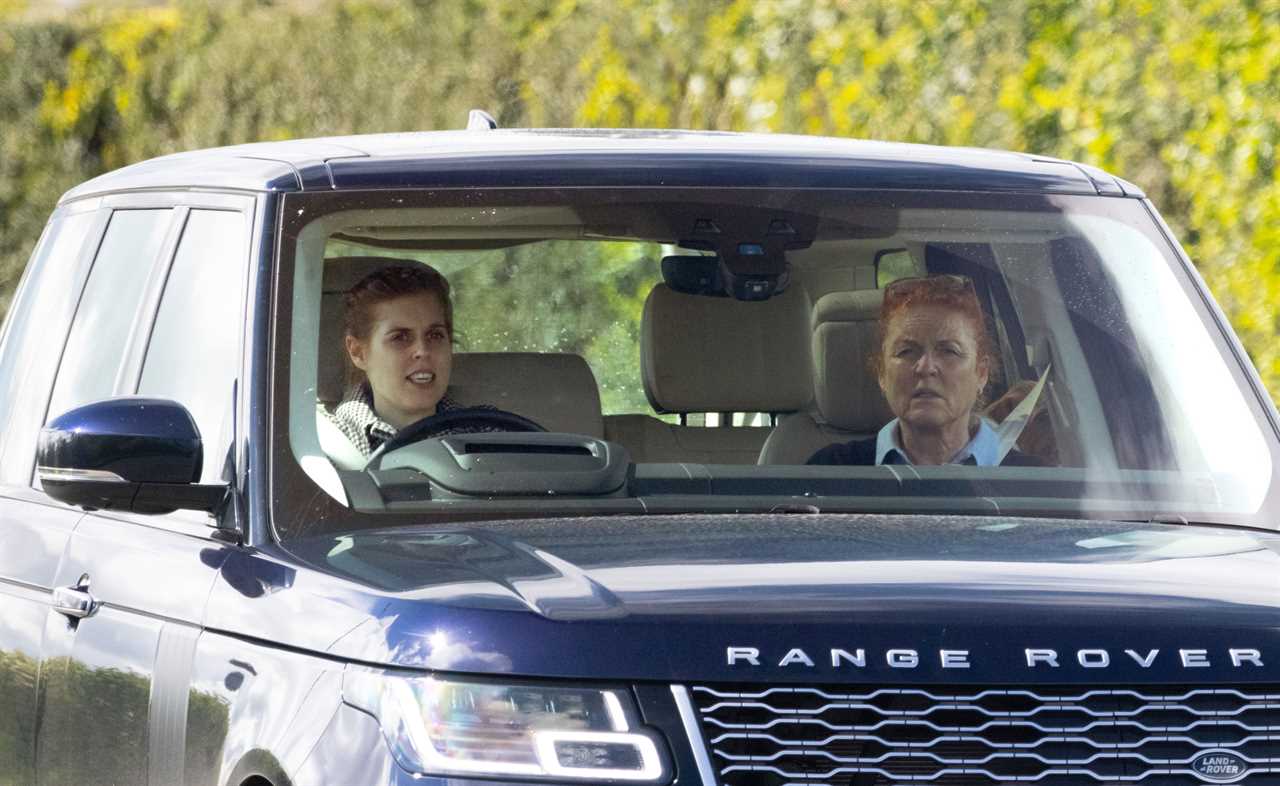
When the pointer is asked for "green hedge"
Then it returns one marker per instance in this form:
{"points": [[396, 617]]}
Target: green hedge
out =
{"points": [[1179, 97]]}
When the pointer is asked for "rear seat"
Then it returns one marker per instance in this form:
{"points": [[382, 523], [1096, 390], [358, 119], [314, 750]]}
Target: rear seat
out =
{"points": [[847, 400], [703, 354]]}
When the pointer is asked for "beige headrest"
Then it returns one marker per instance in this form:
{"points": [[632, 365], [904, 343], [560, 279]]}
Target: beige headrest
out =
{"points": [[557, 390], [844, 329], [717, 354]]}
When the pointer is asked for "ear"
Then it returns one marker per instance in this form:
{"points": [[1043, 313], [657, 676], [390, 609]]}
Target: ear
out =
{"points": [[356, 351], [984, 372]]}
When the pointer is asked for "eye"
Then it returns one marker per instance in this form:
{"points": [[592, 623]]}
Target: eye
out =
{"points": [[398, 337], [436, 335]]}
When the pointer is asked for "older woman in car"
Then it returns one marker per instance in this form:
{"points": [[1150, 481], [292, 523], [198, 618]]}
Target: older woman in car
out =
{"points": [[933, 360]]}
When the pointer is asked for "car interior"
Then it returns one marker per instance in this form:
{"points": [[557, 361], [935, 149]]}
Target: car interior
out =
{"points": [[747, 382]]}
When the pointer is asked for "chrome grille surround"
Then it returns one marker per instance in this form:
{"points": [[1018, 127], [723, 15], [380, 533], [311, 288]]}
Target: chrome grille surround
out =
{"points": [[976, 736]]}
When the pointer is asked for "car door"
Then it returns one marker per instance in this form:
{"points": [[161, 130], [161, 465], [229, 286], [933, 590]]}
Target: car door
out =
{"points": [[34, 530], [117, 696]]}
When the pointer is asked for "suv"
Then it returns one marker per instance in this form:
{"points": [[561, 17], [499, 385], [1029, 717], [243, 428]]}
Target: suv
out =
{"points": [[201, 584]]}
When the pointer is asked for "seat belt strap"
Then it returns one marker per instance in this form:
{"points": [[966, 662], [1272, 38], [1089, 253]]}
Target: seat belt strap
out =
{"points": [[1011, 427]]}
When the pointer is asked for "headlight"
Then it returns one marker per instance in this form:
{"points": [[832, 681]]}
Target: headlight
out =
{"points": [[439, 726]]}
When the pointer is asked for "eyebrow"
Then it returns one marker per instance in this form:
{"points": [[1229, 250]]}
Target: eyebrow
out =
{"points": [[394, 328]]}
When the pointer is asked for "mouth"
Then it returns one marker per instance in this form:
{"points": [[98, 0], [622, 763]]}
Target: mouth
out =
{"points": [[925, 394], [422, 377]]}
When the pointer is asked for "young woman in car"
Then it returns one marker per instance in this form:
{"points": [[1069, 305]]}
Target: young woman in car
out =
{"points": [[399, 341], [934, 356]]}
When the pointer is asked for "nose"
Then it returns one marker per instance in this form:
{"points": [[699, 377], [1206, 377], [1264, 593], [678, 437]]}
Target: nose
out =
{"points": [[927, 364]]}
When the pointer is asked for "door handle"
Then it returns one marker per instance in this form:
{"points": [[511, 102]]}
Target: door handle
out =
{"points": [[75, 602]]}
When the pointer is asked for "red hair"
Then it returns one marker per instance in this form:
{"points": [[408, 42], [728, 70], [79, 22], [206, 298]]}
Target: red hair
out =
{"points": [[944, 291]]}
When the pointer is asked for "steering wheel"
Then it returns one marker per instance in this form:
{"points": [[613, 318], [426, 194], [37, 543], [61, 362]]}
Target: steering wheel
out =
{"points": [[425, 428]]}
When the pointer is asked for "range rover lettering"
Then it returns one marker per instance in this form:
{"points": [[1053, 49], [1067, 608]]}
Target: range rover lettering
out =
{"points": [[656, 457], [959, 659]]}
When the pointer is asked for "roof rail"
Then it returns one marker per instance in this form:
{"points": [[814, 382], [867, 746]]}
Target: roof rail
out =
{"points": [[480, 120]]}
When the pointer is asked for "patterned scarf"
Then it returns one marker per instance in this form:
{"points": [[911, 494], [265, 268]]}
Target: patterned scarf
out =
{"points": [[355, 417]]}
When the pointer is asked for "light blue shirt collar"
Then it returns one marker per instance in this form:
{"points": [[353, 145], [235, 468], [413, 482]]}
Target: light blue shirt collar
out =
{"points": [[984, 448]]}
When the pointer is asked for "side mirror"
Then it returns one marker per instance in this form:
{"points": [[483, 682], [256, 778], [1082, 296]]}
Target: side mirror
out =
{"points": [[137, 454]]}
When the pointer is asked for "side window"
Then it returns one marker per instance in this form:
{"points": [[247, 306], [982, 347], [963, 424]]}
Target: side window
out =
{"points": [[893, 264], [37, 326], [108, 308], [194, 353]]}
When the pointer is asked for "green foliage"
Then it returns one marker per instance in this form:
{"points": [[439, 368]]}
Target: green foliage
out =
{"points": [[73, 692], [207, 724], [82, 696], [1179, 97], [583, 298], [17, 725]]}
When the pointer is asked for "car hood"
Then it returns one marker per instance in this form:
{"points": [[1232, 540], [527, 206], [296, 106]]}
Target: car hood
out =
{"points": [[779, 598]]}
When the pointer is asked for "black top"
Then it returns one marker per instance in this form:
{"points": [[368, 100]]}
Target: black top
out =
{"points": [[605, 158], [862, 453]]}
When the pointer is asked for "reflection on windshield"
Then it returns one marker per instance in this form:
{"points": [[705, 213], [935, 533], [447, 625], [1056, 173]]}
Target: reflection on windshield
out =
{"points": [[608, 319]]}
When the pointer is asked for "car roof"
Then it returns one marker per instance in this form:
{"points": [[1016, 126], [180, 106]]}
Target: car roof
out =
{"points": [[594, 157]]}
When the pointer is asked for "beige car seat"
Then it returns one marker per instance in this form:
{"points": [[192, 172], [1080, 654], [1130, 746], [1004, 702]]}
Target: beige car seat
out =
{"points": [[716, 354], [847, 401]]}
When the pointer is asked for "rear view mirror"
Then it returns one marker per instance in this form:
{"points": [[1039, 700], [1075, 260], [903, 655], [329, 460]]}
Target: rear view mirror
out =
{"points": [[137, 454]]}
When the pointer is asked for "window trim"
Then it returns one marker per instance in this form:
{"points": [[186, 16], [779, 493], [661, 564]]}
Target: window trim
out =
{"points": [[92, 264], [130, 371], [83, 262], [247, 208]]}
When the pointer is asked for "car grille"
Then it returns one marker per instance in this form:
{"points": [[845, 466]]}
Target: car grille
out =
{"points": [[975, 736]]}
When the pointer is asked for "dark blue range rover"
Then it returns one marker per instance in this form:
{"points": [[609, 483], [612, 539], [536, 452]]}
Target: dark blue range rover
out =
{"points": [[719, 459]]}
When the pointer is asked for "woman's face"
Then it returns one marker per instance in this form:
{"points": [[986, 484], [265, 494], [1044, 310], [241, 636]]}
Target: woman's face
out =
{"points": [[931, 374], [407, 357]]}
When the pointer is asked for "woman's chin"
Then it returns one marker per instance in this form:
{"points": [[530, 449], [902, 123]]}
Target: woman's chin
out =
{"points": [[420, 407], [926, 416]]}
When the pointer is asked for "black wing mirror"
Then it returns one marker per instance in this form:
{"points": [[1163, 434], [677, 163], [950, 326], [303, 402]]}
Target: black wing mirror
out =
{"points": [[138, 454]]}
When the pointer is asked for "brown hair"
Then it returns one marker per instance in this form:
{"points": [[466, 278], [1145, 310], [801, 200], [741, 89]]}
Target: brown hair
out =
{"points": [[389, 283], [948, 291]]}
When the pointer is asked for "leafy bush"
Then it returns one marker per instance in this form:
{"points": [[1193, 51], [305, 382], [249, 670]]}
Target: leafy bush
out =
{"points": [[1179, 97]]}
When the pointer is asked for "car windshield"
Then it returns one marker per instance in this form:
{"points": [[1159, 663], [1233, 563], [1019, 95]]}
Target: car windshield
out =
{"points": [[693, 350]]}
